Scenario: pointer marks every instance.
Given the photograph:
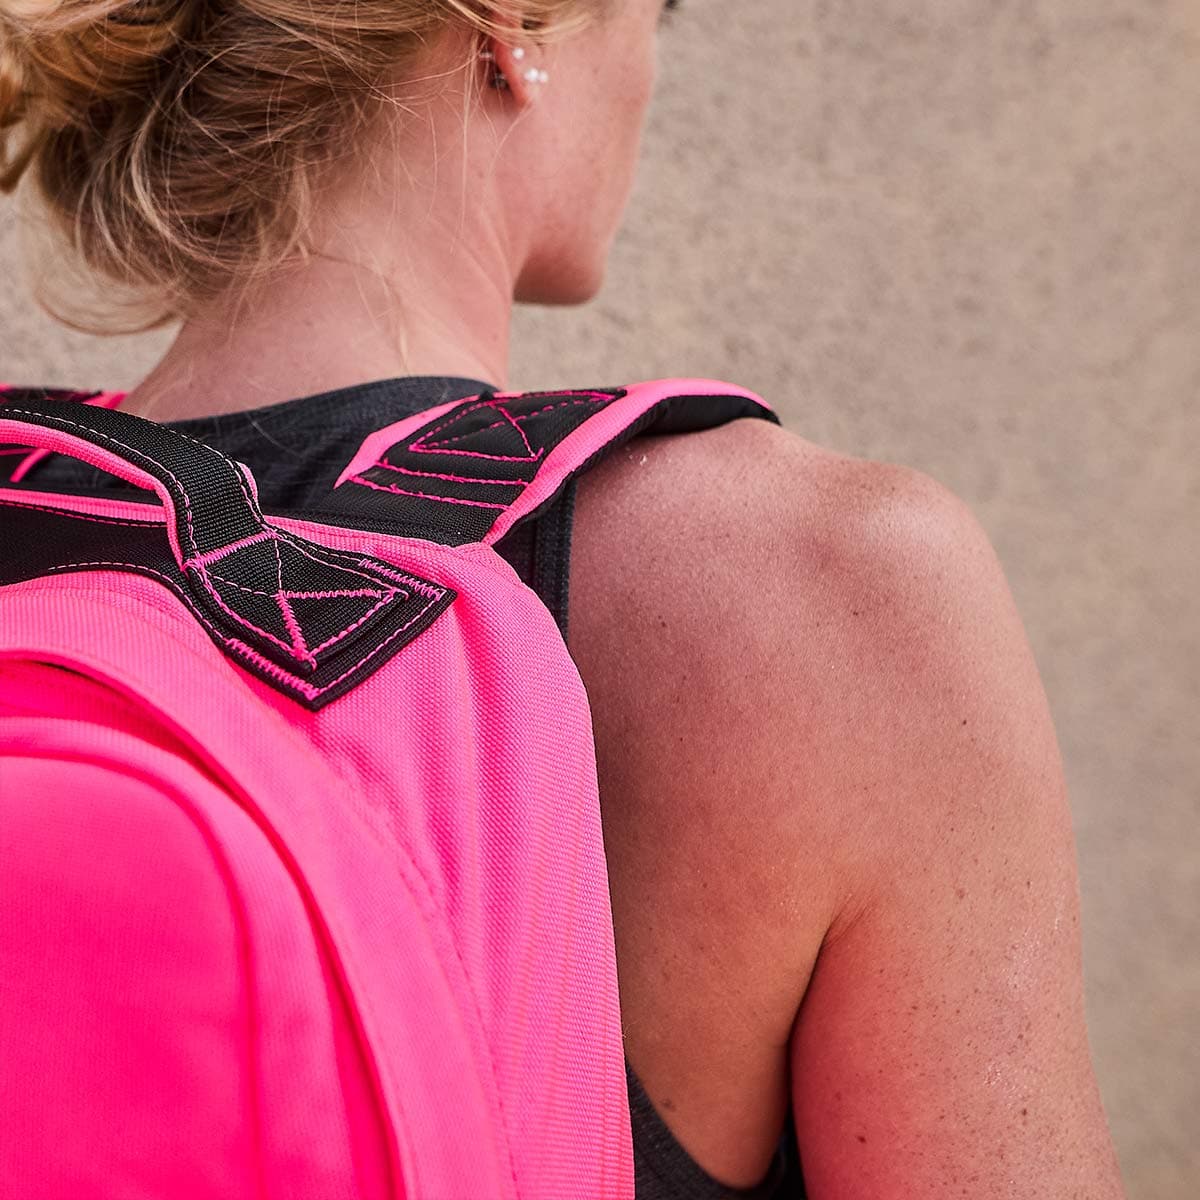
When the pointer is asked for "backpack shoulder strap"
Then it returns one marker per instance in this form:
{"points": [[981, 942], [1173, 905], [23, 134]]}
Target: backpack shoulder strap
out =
{"points": [[309, 619], [17, 461], [474, 469]]}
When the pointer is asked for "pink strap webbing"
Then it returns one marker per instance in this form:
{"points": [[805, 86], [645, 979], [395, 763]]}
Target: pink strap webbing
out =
{"points": [[28, 459], [473, 469]]}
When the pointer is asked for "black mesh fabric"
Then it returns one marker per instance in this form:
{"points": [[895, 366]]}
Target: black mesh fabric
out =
{"points": [[460, 472], [663, 1169]]}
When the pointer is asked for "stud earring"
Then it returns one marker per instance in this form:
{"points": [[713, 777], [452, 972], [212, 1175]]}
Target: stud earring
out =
{"points": [[530, 75]]}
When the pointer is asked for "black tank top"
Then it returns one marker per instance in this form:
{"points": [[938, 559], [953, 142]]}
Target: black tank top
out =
{"points": [[296, 450]]}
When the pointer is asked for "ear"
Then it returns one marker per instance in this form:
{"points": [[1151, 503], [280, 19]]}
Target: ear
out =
{"points": [[519, 62]]}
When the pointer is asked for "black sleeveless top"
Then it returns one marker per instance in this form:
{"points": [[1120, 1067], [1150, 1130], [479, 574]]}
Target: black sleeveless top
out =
{"points": [[296, 450]]}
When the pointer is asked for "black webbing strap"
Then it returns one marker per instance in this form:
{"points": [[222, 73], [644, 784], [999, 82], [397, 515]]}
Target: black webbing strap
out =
{"points": [[210, 497]]}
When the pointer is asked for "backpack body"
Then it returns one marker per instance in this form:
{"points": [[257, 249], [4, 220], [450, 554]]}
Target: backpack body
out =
{"points": [[302, 880]]}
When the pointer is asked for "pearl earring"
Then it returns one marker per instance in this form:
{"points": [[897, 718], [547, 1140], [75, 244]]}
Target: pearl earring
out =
{"points": [[530, 75]]}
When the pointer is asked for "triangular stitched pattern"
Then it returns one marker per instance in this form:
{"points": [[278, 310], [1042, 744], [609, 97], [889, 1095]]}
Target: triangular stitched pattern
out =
{"points": [[454, 475], [259, 612], [325, 621], [296, 596], [488, 420]]}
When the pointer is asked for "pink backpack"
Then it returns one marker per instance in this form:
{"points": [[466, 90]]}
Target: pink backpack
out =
{"points": [[302, 884]]}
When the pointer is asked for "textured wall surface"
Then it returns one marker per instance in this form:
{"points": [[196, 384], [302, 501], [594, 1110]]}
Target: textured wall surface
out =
{"points": [[962, 235]]}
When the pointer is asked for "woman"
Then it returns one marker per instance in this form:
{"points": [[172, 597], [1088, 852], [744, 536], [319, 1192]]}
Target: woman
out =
{"points": [[839, 845]]}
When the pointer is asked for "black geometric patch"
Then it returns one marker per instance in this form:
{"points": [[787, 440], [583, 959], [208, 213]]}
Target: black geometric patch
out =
{"points": [[458, 473]]}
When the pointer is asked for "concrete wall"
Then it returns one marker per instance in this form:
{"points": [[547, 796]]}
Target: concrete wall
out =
{"points": [[963, 235]]}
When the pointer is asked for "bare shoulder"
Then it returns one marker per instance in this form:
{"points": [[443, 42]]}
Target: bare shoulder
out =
{"points": [[775, 503], [743, 580], [779, 603], [834, 811], [748, 542], [759, 622]]}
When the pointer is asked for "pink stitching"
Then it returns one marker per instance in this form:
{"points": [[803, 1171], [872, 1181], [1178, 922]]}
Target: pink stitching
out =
{"points": [[367, 569], [275, 535], [382, 464], [361, 621], [346, 593], [569, 392], [385, 599], [33, 457], [75, 516], [458, 415], [349, 593], [300, 685], [293, 626], [241, 587], [132, 566], [593, 398], [214, 555], [417, 448], [187, 510], [417, 585], [480, 454], [312, 690], [385, 596], [256, 512], [209, 587], [250, 498], [379, 487], [176, 590], [279, 535], [285, 610], [328, 555]]}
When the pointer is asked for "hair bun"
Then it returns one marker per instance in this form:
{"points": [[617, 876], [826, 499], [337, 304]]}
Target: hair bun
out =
{"points": [[59, 58], [29, 9]]}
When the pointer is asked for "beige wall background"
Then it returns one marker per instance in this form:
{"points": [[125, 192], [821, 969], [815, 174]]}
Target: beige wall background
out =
{"points": [[962, 235]]}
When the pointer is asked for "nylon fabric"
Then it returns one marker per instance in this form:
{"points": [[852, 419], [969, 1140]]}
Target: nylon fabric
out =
{"points": [[446, 804]]}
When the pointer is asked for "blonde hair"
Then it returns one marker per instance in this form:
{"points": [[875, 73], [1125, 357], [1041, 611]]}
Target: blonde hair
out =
{"points": [[177, 145]]}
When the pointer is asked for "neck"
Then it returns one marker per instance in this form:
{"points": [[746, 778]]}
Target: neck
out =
{"points": [[325, 325], [411, 272]]}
